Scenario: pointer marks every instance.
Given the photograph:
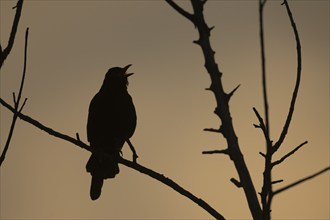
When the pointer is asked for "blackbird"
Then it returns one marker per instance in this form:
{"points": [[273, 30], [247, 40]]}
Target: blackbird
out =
{"points": [[111, 121]]}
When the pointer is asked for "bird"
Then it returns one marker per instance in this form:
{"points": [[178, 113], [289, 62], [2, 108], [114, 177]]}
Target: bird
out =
{"points": [[111, 121]]}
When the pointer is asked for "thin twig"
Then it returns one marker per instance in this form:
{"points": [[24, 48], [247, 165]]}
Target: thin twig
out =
{"points": [[180, 10], [16, 103], [295, 92], [300, 181], [262, 126], [263, 64], [5, 52], [127, 163], [288, 154]]}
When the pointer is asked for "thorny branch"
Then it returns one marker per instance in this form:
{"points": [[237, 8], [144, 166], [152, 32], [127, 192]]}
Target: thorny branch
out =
{"points": [[222, 100], [16, 103], [133, 165]]}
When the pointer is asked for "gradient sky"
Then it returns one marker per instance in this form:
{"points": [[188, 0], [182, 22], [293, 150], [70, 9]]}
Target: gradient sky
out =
{"points": [[71, 46]]}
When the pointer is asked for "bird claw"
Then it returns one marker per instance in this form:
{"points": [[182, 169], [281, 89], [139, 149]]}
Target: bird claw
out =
{"points": [[135, 156]]}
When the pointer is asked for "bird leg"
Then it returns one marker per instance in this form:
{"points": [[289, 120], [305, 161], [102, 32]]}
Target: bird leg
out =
{"points": [[135, 156]]}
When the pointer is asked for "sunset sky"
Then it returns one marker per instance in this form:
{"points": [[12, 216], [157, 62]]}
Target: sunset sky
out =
{"points": [[71, 46]]}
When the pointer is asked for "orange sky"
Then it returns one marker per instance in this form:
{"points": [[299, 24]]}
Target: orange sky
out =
{"points": [[71, 46]]}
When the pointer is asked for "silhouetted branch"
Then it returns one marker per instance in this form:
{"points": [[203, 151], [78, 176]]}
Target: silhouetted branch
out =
{"points": [[134, 165], [17, 107], [263, 63], [5, 52], [224, 151], [180, 10], [262, 126], [222, 108], [288, 154], [173, 185], [295, 92], [301, 181]]}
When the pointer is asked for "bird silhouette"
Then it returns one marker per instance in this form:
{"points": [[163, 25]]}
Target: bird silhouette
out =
{"points": [[111, 121]]}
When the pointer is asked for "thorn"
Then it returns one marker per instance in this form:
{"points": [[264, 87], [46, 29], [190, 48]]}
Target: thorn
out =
{"points": [[213, 130], [14, 98], [232, 92], [256, 126], [216, 110], [211, 28], [236, 182], [277, 181], [262, 154], [77, 136], [224, 151], [198, 42], [208, 89]]}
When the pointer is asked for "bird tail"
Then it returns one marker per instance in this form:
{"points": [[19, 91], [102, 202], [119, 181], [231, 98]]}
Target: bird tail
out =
{"points": [[96, 187], [100, 169]]}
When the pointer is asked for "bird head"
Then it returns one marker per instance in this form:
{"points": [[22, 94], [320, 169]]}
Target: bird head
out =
{"points": [[116, 77]]}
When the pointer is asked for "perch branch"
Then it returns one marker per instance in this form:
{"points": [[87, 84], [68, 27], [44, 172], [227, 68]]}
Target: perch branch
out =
{"points": [[300, 181], [123, 161], [17, 108], [5, 52], [171, 184]]}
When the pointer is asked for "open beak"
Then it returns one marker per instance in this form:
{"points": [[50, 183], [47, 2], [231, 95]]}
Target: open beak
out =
{"points": [[125, 69]]}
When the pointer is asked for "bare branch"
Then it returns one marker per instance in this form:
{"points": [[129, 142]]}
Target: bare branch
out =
{"points": [[295, 92], [173, 185], [301, 181], [16, 104], [123, 161], [263, 63], [180, 10], [22, 106], [222, 108], [24, 67], [5, 52], [224, 151], [288, 154], [262, 126]]}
